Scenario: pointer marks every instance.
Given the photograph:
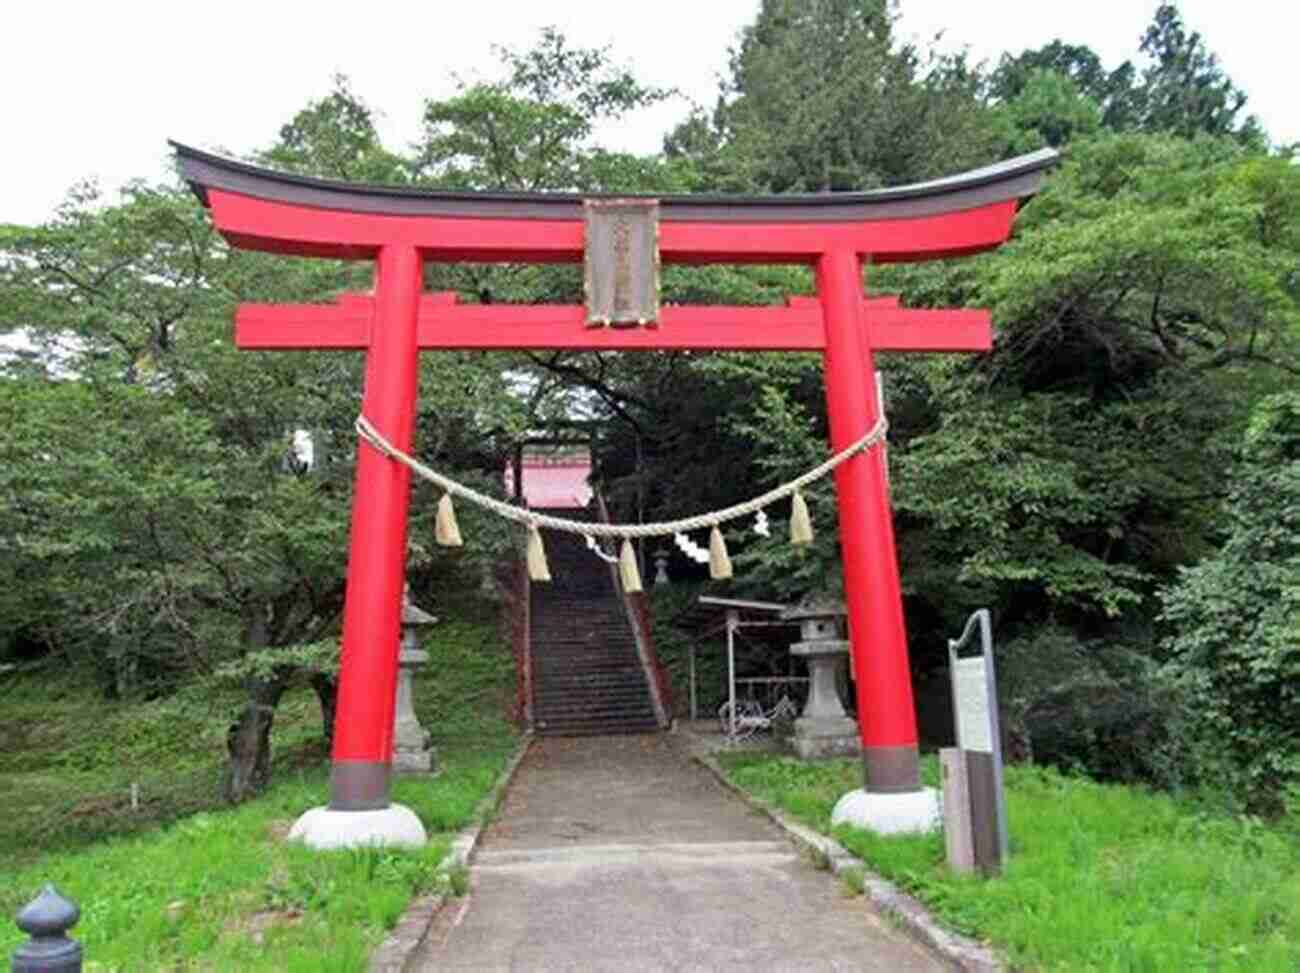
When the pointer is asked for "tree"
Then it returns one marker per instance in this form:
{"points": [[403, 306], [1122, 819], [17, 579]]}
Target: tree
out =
{"points": [[335, 137], [1184, 90], [1076, 62], [1146, 301], [1137, 300], [1048, 110], [532, 130], [1181, 89], [819, 97], [1234, 624], [208, 551]]}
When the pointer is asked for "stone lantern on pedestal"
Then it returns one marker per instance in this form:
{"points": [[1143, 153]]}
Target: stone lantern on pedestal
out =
{"points": [[823, 729], [412, 753], [661, 566]]}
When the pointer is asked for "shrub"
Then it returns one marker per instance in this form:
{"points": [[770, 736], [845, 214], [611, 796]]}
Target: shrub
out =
{"points": [[1234, 655]]}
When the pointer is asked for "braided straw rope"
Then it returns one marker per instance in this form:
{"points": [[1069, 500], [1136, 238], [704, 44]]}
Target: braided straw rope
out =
{"points": [[531, 518]]}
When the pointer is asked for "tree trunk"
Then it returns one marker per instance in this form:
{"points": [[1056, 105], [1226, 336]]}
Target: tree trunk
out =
{"points": [[1017, 742], [249, 741], [327, 688]]}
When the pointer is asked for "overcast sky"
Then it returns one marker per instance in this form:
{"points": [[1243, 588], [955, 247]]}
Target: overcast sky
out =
{"points": [[96, 89]]}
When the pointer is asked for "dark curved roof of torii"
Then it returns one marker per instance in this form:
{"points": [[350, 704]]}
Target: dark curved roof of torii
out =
{"points": [[1012, 179]]}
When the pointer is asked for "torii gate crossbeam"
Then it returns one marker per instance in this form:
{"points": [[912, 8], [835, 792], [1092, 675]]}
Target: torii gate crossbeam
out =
{"points": [[400, 229]]}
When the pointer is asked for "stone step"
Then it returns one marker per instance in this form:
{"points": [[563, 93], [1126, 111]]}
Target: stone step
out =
{"points": [[585, 660], [561, 678], [591, 690], [587, 657], [571, 720], [582, 640], [595, 704], [582, 682], [568, 671], [594, 654], [758, 853], [611, 728], [587, 675]]}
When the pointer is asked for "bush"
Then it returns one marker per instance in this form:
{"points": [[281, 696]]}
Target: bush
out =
{"points": [[1094, 705], [1234, 656]]}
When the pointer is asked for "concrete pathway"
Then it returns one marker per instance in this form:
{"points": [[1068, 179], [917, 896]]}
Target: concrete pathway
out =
{"points": [[618, 853]]}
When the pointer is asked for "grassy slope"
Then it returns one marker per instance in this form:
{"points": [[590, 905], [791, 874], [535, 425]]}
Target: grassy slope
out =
{"points": [[220, 889], [1101, 877]]}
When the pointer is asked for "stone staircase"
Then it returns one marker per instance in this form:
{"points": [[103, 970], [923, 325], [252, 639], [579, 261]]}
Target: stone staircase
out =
{"points": [[587, 677]]}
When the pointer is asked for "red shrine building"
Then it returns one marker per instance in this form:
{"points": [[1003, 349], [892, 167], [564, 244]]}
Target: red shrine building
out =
{"points": [[551, 479]]}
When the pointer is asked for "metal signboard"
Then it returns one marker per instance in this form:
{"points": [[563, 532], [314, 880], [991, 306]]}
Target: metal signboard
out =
{"points": [[975, 713]]}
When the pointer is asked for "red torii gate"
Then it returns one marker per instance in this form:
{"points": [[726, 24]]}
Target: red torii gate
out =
{"points": [[400, 229]]}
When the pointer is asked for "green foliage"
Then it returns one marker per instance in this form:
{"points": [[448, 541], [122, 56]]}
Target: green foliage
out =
{"points": [[228, 891], [1138, 307], [308, 658], [160, 523], [1049, 110], [70, 759], [1076, 62], [335, 137], [820, 96], [674, 641], [1097, 704], [1180, 89], [532, 130], [1100, 876], [1234, 647], [1184, 90], [225, 889]]}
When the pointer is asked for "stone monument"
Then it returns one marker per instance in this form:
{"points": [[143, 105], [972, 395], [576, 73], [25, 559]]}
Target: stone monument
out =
{"points": [[823, 729], [412, 753]]}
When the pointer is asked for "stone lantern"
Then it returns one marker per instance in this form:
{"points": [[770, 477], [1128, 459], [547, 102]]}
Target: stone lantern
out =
{"points": [[412, 753], [661, 567], [823, 729]]}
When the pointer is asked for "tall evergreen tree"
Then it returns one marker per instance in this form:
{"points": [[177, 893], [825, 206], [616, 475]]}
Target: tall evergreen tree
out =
{"points": [[820, 96], [1181, 89]]}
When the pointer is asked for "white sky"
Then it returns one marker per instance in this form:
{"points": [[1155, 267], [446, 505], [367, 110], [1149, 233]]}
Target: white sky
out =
{"points": [[95, 89]]}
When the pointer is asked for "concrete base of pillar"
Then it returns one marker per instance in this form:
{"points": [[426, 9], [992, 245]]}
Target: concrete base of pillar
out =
{"points": [[323, 828], [910, 812], [815, 738]]}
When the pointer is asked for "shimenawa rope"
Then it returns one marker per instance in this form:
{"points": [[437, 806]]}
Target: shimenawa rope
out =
{"points": [[532, 519]]}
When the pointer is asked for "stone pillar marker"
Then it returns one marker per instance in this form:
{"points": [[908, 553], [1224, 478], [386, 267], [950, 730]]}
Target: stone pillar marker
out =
{"points": [[412, 753], [823, 729]]}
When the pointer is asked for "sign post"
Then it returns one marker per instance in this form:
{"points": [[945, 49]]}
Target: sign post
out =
{"points": [[973, 776]]}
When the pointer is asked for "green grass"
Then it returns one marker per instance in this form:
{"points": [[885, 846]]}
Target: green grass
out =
{"points": [[68, 759], [221, 889], [1101, 877]]}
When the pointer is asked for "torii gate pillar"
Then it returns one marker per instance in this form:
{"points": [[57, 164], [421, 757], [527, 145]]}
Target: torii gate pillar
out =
{"points": [[893, 799]]}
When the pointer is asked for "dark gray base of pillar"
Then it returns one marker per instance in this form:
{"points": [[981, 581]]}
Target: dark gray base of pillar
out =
{"points": [[359, 785], [891, 770]]}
